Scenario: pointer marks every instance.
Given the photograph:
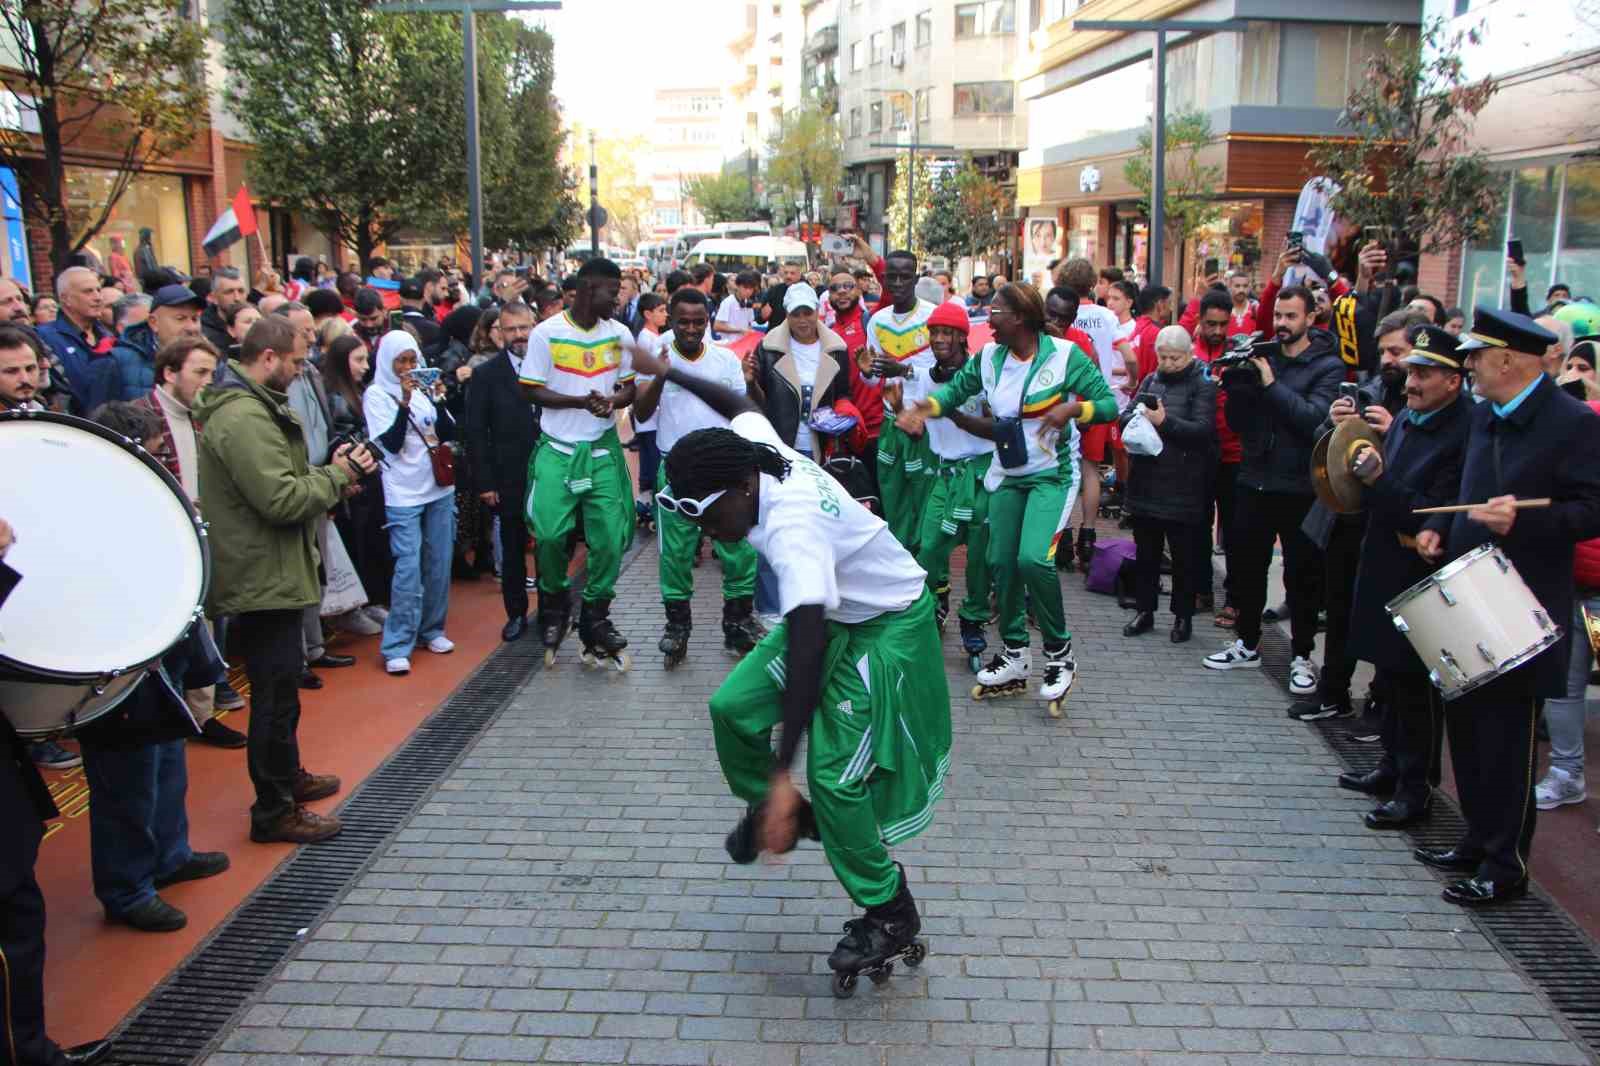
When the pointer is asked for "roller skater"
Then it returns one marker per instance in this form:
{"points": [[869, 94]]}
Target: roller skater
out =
{"points": [[974, 643], [601, 641], [849, 667], [674, 643], [873, 943], [577, 370], [1039, 390], [675, 413]]}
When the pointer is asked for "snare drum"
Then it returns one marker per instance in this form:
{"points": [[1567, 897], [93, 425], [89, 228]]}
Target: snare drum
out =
{"points": [[114, 566], [1472, 621]]}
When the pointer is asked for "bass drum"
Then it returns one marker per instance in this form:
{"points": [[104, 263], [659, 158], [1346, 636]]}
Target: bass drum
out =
{"points": [[114, 565]]}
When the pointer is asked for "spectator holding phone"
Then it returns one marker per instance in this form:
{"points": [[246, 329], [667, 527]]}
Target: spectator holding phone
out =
{"points": [[406, 415]]}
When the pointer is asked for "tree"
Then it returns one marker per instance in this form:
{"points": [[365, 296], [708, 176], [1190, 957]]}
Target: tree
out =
{"points": [[356, 116], [120, 76], [804, 161], [894, 218], [966, 212], [629, 202], [1189, 201], [721, 197], [1407, 161]]}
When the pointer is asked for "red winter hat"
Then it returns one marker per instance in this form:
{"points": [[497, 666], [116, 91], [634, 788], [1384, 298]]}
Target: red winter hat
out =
{"points": [[951, 315]]}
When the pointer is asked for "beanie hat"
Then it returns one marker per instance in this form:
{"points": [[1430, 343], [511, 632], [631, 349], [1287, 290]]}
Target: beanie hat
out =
{"points": [[951, 315]]}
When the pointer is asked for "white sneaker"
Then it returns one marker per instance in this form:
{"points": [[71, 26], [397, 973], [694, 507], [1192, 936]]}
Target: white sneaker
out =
{"points": [[401, 665], [360, 623], [1558, 789], [441, 645], [1234, 657], [1302, 676], [1012, 664]]}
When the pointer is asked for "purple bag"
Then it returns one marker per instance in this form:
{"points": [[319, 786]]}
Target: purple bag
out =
{"points": [[1106, 567]]}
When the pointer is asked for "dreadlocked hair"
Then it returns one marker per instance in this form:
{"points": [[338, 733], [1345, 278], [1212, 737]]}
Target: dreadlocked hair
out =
{"points": [[711, 459]]}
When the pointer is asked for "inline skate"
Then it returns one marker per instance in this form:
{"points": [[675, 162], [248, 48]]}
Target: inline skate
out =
{"points": [[601, 641], [974, 643], [740, 630], [873, 943], [1006, 674], [555, 617], [674, 642], [1060, 671]]}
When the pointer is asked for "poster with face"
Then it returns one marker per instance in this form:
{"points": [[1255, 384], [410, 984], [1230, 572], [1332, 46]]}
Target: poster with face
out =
{"points": [[1041, 244]]}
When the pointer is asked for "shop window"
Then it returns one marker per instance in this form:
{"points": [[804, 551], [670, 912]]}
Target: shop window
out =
{"points": [[1083, 233], [152, 201], [875, 118], [984, 98], [1579, 265], [1258, 64], [1535, 191], [897, 114]]}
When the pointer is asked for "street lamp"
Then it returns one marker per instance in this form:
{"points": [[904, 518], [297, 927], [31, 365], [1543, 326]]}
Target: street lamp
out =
{"points": [[468, 10], [911, 159], [1158, 165]]}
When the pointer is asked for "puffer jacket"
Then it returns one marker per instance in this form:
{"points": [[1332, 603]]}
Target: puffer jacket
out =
{"points": [[134, 354], [1172, 486], [1277, 425], [260, 496]]}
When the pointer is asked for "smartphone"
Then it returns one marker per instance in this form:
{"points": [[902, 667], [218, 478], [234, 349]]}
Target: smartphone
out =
{"points": [[1297, 240], [1349, 390], [1212, 266], [837, 244], [1514, 253], [1148, 400], [397, 320]]}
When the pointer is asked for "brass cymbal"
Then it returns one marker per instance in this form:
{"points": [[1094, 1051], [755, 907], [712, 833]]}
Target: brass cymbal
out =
{"points": [[1347, 439]]}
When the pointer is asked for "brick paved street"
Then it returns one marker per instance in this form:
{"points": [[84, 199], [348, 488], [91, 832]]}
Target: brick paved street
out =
{"points": [[1167, 876]]}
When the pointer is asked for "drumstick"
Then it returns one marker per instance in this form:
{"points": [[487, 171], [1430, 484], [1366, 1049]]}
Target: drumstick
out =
{"points": [[1542, 501]]}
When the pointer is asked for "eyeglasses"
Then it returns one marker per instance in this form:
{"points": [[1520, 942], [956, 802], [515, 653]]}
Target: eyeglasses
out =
{"points": [[687, 507]]}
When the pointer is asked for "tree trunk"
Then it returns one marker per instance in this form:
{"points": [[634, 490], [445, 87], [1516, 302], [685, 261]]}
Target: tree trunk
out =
{"points": [[52, 188], [364, 241]]}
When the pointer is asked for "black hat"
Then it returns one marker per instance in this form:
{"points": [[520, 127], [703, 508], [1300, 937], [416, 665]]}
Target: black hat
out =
{"points": [[1432, 346], [1494, 328], [176, 296], [411, 289]]}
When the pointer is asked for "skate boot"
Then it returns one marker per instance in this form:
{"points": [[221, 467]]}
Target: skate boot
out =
{"points": [[555, 615], [974, 643], [600, 639], [1006, 674], [1086, 539], [674, 642], [1060, 671], [941, 606], [743, 842], [740, 630], [1064, 559], [644, 515], [874, 942]]}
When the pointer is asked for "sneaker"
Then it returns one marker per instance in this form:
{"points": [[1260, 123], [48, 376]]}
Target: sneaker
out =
{"points": [[201, 864], [48, 755], [1558, 789], [228, 698], [1234, 657], [360, 624], [397, 666], [1316, 710], [1302, 676], [529, 583], [218, 735], [299, 826], [441, 645]]}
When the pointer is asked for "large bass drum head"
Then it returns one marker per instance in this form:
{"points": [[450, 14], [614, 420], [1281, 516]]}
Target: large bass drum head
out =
{"points": [[112, 558]]}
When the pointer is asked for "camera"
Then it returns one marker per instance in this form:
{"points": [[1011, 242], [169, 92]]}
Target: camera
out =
{"points": [[356, 438], [1235, 366]]}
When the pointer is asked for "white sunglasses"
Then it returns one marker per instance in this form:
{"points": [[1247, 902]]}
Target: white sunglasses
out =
{"points": [[687, 507]]}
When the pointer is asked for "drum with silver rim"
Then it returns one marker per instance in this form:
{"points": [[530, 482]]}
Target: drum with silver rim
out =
{"points": [[1472, 621], [114, 564]]}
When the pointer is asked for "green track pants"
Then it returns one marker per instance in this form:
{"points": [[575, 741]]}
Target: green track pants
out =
{"points": [[606, 500], [677, 538], [1026, 517], [905, 468], [957, 512]]}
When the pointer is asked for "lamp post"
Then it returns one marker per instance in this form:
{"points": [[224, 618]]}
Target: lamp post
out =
{"points": [[1158, 164], [911, 159], [468, 10]]}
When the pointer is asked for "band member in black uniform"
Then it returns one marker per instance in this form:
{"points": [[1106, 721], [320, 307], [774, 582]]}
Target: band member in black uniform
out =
{"points": [[1420, 466], [1528, 439], [24, 805]]}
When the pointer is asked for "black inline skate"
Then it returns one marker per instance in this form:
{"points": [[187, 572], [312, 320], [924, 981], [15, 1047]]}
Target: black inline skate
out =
{"points": [[974, 643], [1086, 539], [744, 840], [555, 617], [740, 630], [644, 515], [941, 606], [600, 639], [674, 642], [872, 944]]}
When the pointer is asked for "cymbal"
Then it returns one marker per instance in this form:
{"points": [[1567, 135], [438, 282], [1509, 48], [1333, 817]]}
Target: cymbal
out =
{"points": [[1331, 459]]}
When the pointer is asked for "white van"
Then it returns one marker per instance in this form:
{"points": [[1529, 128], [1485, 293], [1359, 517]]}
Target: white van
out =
{"points": [[730, 255]]}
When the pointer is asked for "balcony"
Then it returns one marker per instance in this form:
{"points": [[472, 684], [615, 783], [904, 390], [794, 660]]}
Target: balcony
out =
{"points": [[824, 42]]}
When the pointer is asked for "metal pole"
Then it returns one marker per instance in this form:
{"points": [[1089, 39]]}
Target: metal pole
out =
{"points": [[469, 37], [911, 175], [1158, 165], [594, 197]]}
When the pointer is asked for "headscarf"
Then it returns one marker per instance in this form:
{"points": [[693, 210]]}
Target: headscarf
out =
{"points": [[799, 295], [396, 343]]}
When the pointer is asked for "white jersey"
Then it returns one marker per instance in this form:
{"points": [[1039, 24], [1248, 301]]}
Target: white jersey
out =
{"points": [[681, 412], [825, 547], [574, 362], [652, 343], [950, 441], [904, 338], [1102, 327]]}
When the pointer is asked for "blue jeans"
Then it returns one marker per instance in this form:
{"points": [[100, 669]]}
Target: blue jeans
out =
{"points": [[766, 587], [1564, 717], [420, 539], [138, 825]]}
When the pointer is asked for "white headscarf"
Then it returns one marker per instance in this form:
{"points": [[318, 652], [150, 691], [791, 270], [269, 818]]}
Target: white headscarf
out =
{"points": [[395, 343]]}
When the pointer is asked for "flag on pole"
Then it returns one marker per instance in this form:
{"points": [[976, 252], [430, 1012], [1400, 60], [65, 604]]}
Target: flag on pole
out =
{"points": [[232, 226]]}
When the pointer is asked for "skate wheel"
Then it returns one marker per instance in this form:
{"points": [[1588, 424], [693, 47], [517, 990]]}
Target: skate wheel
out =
{"points": [[844, 985], [622, 662], [977, 692], [974, 663], [1055, 708], [881, 977], [549, 656], [915, 954]]}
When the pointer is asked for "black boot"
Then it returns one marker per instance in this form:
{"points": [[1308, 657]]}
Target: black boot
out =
{"points": [[555, 614], [674, 642], [595, 631], [1086, 539], [880, 934], [1064, 559], [740, 630]]}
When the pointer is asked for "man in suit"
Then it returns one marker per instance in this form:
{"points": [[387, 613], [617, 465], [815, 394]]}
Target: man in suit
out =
{"points": [[1528, 439], [501, 430]]}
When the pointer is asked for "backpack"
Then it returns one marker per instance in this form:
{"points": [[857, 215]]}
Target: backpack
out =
{"points": [[1110, 572]]}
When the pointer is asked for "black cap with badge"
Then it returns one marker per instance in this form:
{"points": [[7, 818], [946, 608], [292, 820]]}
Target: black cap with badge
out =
{"points": [[1494, 328], [176, 296], [1432, 346]]}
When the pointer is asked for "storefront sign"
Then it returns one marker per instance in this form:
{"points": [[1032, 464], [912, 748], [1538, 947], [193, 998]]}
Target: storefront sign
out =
{"points": [[1089, 179]]}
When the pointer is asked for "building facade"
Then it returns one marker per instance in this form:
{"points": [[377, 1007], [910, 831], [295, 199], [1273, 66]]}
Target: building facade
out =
{"points": [[685, 141], [1268, 92]]}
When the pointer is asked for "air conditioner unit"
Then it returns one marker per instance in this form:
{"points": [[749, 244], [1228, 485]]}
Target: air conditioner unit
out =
{"points": [[897, 59]]}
